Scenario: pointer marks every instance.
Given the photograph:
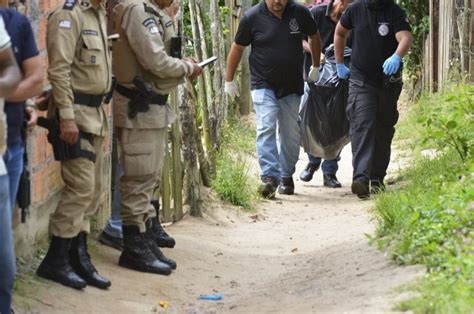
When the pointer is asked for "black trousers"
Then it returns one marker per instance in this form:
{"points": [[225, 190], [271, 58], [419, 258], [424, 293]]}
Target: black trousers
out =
{"points": [[372, 113]]}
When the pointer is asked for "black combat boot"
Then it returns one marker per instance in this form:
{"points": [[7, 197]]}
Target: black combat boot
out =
{"points": [[55, 266], [137, 254], [152, 244], [81, 263], [162, 239]]}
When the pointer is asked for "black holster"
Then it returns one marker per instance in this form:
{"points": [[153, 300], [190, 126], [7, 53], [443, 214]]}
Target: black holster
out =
{"points": [[62, 150]]}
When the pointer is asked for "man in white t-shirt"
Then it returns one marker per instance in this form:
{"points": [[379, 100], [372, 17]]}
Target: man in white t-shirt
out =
{"points": [[9, 79]]}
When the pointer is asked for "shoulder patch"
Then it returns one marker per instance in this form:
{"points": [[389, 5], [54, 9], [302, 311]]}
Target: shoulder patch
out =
{"points": [[90, 32], [65, 24], [168, 24], [149, 21], [154, 30], [69, 5]]}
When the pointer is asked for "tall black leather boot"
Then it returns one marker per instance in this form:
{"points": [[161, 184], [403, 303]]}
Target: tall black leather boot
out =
{"points": [[162, 239], [55, 266], [154, 247], [137, 254], [81, 262]]}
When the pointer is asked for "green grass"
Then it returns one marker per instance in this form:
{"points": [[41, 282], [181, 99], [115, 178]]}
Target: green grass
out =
{"points": [[233, 181], [429, 219]]}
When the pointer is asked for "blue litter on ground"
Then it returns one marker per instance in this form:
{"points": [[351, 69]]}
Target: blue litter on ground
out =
{"points": [[211, 297]]}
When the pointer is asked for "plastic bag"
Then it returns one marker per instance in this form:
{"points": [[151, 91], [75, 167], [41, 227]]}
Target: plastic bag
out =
{"points": [[323, 121]]}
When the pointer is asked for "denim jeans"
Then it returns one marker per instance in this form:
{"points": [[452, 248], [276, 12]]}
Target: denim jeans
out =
{"points": [[7, 255], [114, 224], [14, 162], [277, 160], [328, 166]]}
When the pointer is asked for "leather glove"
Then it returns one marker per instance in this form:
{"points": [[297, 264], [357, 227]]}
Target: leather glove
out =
{"points": [[230, 88], [343, 72], [313, 74], [392, 64]]}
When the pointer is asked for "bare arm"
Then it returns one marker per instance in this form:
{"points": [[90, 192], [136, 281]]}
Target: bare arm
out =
{"points": [[340, 36], [314, 42], [32, 83], [405, 40], [306, 47], [233, 61], [10, 75]]}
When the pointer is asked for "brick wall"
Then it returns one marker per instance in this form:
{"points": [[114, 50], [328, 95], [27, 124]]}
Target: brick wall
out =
{"points": [[46, 182]]}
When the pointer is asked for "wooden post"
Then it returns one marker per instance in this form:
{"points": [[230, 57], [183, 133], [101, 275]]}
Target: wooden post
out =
{"points": [[188, 121], [177, 175], [166, 188]]}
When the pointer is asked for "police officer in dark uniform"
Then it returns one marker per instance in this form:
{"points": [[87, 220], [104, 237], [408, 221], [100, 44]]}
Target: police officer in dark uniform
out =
{"points": [[381, 38]]}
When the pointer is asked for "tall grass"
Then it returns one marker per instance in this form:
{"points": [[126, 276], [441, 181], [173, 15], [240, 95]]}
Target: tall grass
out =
{"points": [[233, 181], [431, 219]]}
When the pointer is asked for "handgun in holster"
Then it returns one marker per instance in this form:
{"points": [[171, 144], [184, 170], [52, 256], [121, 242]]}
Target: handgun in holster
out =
{"points": [[141, 101], [62, 150]]}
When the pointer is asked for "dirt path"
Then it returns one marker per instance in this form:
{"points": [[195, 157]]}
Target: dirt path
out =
{"points": [[302, 253]]}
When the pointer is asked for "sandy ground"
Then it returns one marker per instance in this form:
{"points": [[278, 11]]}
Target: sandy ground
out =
{"points": [[301, 253]]}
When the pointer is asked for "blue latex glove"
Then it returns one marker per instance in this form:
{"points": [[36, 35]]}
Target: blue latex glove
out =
{"points": [[392, 64], [343, 72]]}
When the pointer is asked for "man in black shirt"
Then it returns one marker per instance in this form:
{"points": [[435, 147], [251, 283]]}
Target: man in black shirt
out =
{"points": [[327, 16], [381, 38], [275, 30]]}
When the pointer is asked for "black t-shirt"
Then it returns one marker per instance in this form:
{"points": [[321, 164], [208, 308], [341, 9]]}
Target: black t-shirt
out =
{"points": [[373, 38], [276, 58]]}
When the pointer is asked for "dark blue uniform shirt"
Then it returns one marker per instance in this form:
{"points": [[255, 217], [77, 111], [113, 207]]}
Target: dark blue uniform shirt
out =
{"points": [[327, 28], [24, 47], [276, 59], [373, 38]]}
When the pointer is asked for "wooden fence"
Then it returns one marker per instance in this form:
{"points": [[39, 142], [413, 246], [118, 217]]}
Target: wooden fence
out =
{"points": [[449, 48]]}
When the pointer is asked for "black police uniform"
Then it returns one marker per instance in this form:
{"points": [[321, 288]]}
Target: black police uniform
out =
{"points": [[372, 103]]}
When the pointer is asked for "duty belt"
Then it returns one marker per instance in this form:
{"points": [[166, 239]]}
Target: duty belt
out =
{"points": [[156, 99], [88, 100]]}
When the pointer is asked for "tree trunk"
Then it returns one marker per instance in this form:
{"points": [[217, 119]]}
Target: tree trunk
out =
{"points": [[187, 117]]}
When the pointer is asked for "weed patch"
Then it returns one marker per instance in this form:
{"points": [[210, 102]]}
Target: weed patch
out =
{"points": [[232, 181], [431, 220]]}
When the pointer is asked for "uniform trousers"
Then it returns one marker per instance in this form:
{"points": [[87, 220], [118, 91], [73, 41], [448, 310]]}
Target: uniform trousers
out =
{"points": [[142, 158], [81, 196], [372, 113]]}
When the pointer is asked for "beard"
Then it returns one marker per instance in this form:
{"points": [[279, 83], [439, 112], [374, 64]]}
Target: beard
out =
{"points": [[378, 4]]}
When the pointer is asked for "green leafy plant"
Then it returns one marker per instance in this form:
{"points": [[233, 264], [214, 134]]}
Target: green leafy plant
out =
{"points": [[449, 123], [232, 180], [431, 219]]}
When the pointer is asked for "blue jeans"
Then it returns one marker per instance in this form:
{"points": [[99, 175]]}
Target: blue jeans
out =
{"points": [[328, 166], [114, 224], [14, 162], [7, 255], [277, 160]]}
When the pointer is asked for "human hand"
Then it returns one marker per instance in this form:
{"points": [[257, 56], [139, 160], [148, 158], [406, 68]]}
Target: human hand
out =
{"points": [[231, 89], [42, 100], [32, 117], [68, 131], [392, 64], [313, 74], [343, 72]]}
